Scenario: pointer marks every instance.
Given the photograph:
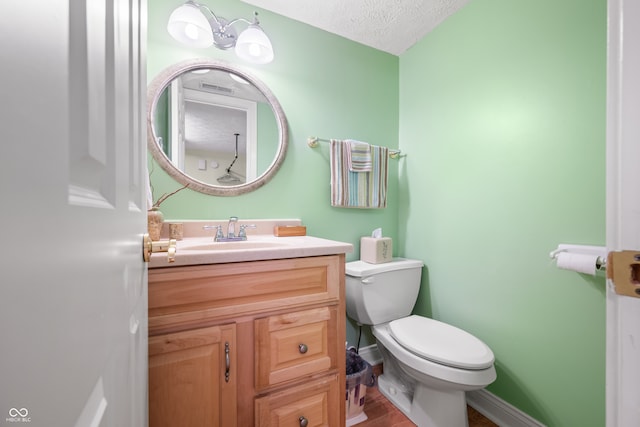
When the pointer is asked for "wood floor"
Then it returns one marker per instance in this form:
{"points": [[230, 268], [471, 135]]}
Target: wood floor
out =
{"points": [[381, 413]]}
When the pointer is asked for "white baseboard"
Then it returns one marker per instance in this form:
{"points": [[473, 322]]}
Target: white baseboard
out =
{"points": [[371, 354], [483, 401], [499, 411]]}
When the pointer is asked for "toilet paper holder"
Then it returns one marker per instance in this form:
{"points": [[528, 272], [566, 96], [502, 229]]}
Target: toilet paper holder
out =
{"points": [[622, 267], [600, 251]]}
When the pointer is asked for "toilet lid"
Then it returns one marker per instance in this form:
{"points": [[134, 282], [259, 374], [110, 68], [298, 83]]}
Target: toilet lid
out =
{"points": [[441, 343], [362, 268]]}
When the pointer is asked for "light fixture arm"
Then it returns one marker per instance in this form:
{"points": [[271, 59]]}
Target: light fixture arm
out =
{"points": [[220, 26], [254, 22], [196, 25]]}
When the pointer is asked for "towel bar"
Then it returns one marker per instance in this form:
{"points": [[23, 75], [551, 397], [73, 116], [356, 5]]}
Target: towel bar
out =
{"points": [[312, 142]]}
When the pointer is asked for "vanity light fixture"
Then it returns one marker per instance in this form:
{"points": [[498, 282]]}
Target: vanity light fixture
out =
{"points": [[195, 25]]}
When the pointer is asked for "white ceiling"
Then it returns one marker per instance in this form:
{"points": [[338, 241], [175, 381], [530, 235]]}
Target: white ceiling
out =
{"points": [[202, 132], [391, 26]]}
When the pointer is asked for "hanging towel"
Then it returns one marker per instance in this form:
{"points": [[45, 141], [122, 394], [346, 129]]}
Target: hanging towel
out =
{"points": [[359, 156], [358, 189]]}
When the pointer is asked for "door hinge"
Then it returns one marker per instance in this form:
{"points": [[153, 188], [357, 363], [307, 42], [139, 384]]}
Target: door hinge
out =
{"points": [[623, 269]]}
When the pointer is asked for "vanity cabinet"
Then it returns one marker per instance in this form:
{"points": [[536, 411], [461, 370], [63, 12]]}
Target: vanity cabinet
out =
{"points": [[256, 343]]}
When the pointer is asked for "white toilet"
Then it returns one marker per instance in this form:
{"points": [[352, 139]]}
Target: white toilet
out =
{"points": [[428, 365]]}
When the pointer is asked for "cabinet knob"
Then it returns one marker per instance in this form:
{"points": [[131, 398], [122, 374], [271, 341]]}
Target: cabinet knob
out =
{"points": [[303, 348], [303, 422]]}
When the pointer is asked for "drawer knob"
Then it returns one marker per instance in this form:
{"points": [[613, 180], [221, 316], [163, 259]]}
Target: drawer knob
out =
{"points": [[303, 349], [303, 422]]}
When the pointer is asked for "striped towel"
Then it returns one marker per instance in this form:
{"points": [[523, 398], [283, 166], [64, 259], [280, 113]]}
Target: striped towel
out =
{"points": [[358, 156], [358, 189]]}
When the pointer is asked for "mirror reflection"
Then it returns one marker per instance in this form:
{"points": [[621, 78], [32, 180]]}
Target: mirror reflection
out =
{"points": [[208, 123], [216, 128]]}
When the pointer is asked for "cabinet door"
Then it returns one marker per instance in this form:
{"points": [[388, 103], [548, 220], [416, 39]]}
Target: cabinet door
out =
{"points": [[192, 378]]}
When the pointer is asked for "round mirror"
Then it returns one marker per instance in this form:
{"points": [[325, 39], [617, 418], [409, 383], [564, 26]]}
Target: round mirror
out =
{"points": [[214, 127]]}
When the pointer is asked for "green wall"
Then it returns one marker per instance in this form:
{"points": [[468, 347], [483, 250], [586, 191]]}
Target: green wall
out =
{"points": [[502, 117], [328, 87], [501, 114]]}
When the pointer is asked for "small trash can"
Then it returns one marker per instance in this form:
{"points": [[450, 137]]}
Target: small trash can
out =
{"points": [[359, 377]]}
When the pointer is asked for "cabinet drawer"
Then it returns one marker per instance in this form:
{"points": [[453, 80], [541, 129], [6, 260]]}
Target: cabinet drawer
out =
{"points": [[315, 402], [292, 345], [188, 295]]}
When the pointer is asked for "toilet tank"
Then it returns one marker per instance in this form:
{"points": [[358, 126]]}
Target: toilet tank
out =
{"points": [[379, 293]]}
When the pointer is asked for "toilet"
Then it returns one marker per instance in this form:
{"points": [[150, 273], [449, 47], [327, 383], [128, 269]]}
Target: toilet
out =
{"points": [[428, 365]]}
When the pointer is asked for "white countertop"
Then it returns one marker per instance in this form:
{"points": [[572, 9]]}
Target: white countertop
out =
{"points": [[203, 250]]}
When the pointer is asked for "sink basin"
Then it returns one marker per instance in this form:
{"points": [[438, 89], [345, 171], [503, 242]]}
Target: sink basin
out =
{"points": [[198, 247], [231, 246]]}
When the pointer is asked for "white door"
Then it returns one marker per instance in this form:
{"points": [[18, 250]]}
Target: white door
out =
{"points": [[623, 208], [73, 346]]}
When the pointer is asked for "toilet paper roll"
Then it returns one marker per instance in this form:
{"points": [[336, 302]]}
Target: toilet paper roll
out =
{"points": [[582, 263]]}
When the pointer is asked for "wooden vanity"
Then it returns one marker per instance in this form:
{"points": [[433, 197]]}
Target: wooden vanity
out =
{"points": [[248, 343]]}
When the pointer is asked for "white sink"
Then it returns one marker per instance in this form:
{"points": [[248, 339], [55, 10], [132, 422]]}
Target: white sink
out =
{"points": [[198, 247], [233, 246]]}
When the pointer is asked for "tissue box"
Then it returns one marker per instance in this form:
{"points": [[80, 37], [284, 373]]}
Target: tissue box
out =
{"points": [[376, 250]]}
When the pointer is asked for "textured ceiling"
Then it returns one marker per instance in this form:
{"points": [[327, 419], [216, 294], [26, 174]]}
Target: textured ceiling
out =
{"points": [[392, 26]]}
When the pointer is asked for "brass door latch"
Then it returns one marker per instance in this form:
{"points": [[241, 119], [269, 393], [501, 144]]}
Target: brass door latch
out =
{"points": [[149, 246], [623, 269]]}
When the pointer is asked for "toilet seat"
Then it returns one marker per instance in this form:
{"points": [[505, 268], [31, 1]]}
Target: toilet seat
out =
{"points": [[441, 343]]}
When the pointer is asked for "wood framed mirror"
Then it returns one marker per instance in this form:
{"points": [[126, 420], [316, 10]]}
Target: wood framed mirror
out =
{"points": [[215, 127]]}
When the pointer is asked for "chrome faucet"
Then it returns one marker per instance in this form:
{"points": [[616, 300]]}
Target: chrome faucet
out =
{"points": [[231, 231], [231, 227]]}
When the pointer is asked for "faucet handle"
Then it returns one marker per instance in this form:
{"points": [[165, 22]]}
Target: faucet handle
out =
{"points": [[242, 233], [219, 235]]}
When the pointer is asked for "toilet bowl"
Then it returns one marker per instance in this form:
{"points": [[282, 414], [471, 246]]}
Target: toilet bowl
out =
{"points": [[428, 365]]}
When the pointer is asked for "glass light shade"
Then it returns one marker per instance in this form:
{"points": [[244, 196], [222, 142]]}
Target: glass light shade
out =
{"points": [[253, 45], [188, 25]]}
